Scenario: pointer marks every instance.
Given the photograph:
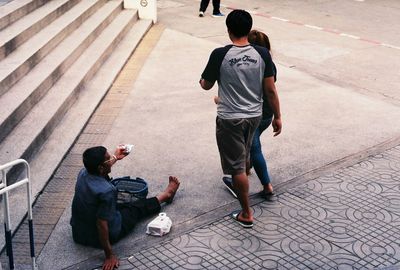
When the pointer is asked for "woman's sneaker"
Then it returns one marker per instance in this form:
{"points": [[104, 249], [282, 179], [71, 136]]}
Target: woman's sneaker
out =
{"points": [[228, 183], [201, 14]]}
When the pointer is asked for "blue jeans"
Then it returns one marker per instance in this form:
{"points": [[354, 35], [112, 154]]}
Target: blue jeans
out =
{"points": [[256, 156]]}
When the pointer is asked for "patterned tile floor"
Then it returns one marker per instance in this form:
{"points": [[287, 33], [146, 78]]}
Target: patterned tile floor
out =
{"points": [[349, 219]]}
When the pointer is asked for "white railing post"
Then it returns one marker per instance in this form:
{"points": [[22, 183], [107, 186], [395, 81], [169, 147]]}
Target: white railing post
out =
{"points": [[4, 189], [147, 8]]}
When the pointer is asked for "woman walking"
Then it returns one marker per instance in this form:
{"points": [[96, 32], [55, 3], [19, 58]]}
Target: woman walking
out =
{"points": [[256, 156]]}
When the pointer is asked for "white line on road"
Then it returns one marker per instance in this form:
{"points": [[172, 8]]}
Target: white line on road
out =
{"points": [[313, 27], [390, 46], [279, 19], [256, 13], [349, 36]]}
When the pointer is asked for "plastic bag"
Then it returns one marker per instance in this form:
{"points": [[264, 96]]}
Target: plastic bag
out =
{"points": [[159, 226]]}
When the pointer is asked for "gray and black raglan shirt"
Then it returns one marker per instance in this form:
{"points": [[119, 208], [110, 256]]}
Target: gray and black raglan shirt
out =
{"points": [[239, 72]]}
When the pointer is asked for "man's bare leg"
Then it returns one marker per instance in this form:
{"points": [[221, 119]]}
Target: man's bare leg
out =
{"points": [[241, 186], [168, 194]]}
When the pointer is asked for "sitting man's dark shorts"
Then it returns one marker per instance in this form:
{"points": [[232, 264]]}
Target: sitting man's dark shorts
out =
{"points": [[131, 213]]}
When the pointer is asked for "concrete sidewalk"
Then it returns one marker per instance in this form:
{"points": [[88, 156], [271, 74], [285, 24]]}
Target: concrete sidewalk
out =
{"points": [[171, 122]]}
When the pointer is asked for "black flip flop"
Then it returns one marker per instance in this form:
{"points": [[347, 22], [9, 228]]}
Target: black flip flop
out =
{"points": [[244, 224]]}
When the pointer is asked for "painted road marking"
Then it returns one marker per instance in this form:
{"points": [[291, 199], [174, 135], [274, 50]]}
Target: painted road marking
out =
{"points": [[349, 36], [279, 19], [390, 46], [314, 27]]}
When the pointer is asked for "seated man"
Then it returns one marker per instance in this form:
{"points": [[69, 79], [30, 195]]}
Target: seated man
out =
{"points": [[97, 220]]}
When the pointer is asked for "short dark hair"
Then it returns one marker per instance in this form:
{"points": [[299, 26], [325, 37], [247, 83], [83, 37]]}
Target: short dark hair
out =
{"points": [[239, 23], [93, 157]]}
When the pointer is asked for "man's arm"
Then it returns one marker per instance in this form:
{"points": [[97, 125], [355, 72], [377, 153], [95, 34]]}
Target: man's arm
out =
{"points": [[211, 72], [206, 85], [111, 260], [273, 100]]}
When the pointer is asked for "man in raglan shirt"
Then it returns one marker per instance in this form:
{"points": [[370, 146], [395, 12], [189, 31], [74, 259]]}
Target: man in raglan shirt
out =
{"points": [[244, 73]]}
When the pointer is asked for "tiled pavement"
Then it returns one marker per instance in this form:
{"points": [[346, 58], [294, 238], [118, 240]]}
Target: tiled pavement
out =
{"points": [[349, 219]]}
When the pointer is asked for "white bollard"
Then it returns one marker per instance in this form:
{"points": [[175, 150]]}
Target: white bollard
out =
{"points": [[147, 8]]}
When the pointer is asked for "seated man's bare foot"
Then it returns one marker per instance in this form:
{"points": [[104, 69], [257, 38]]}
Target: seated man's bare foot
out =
{"points": [[171, 189]]}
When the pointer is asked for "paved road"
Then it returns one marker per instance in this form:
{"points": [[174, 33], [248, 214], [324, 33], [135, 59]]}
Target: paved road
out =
{"points": [[337, 41]]}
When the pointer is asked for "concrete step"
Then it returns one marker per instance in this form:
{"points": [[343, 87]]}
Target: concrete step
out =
{"points": [[27, 26], [51, 154], [14, 10], [21, 61], [22, 97], [32, 132]]}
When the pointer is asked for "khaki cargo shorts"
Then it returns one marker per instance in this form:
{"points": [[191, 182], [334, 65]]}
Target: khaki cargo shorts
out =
{"points": [[234, 138]]}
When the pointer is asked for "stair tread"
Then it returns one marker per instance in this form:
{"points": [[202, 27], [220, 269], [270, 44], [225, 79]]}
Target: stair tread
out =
{"points": [[80, 112], [71, 125], [29, 48], [12, 99], [19, 61], [28, 20], [13, 6], [23, 135]]}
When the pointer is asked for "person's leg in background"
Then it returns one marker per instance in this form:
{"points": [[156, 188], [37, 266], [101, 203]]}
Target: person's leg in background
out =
{"points": [[203, 7], [216, 6]]}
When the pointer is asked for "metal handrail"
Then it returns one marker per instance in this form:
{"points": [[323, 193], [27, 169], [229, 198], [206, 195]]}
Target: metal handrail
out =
{"points": [[4, 189]]}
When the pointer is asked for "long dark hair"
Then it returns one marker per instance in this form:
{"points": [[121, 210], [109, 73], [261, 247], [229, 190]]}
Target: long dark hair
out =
{"points": [[259, 38]]}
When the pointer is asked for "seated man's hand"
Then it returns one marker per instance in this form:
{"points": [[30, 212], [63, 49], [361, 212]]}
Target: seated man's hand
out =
{"points": [[111, 263], [120, 152]]}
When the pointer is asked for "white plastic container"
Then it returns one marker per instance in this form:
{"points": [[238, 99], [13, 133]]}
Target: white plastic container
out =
{"points": [[159, 226]]}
